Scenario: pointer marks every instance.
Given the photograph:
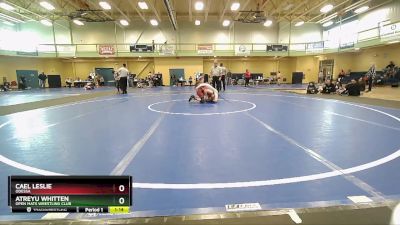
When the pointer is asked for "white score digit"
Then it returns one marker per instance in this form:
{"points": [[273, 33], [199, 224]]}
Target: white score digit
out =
{"points": [[121, 188], [121, 200]]}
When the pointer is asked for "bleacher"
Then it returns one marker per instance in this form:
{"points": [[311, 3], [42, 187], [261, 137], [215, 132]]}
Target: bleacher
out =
{"points": [[380, 79]]}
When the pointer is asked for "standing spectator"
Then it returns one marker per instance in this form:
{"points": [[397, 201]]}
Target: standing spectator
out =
{"points": [[361, 83], [320, 77], [223, 75], [116, 79], [371, 76], [247, 77], [205, 78], [173, 80], [101, 81], [123, 78], [341, 75], [190, 80], [22, 83], [229, 78], [216, 76], [278, 78], [42, 80]]}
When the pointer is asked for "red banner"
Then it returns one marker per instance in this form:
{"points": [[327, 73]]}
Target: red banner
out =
{"points": [[106, 50]]}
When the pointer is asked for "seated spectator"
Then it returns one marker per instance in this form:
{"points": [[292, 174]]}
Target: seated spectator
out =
{"points": [[339, 88], [89, 86], [362, 83], [311, 88], [328, 88], [101, 81], [353, 89], [68, 82]]}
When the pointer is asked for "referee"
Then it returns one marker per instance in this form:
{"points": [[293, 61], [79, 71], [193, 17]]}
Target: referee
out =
{"points": [[216, 76], [123, 78]]}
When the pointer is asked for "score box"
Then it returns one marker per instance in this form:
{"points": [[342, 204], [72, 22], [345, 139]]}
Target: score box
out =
{"points": [[68, 193]]}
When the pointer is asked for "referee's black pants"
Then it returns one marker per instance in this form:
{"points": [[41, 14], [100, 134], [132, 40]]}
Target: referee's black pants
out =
{"points": [[122, 83], [216, 83], [370, 80]]}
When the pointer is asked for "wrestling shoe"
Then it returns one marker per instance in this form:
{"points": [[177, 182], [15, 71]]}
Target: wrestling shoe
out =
{"points": [[191, 98]]}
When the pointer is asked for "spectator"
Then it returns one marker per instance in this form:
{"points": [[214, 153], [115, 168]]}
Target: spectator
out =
{"points": [[371, 77], [341, 75], [311, 88], [247, 77], [328, 88], [123, 78], [181, 81], [223, 75], [68, 82], [320, 77], [190, 80], [390, 66], [42, 80], [206, 78], [229, 78], [22, 83], [278, 78], [116, 79], [361, 83], [353, 89], [339, 88], [101, 81]]}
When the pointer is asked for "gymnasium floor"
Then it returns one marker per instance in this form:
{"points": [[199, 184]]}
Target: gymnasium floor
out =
{"points": [[20, 97], [256, 145]]}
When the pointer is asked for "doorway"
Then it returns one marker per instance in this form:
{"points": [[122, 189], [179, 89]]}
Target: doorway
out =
{"points": [[31, 78], [326, 66], [107, 74], [177, 73]]}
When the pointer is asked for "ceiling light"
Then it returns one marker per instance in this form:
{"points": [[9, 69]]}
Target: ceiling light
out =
{"points": [[361, 9], [8, 23], [226, 23], [47, 5], [299, 23], [327, 24], [6, 6], [143, 5], [124, 22], [393, 42], [235, 6], [78, 22], [46, 23], [199, 6], [197, 22], [268, 23], [105, 5], [154, 22], [326, 8]]}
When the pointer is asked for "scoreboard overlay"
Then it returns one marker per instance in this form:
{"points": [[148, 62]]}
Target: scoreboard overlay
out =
{"points": [[89, 194]]}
